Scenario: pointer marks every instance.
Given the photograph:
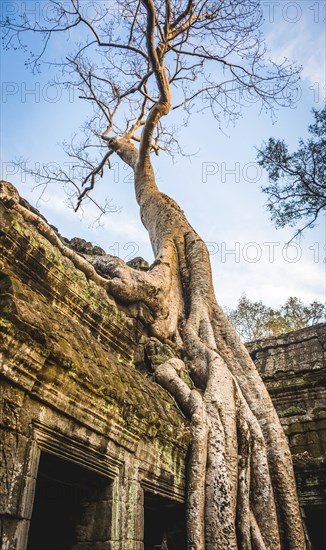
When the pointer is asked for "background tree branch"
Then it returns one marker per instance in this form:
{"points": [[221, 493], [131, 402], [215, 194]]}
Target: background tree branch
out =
{"points": [[297, 189]]}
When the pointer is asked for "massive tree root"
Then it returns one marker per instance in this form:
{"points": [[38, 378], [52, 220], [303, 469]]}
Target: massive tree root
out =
{"points": [[241, 487]]}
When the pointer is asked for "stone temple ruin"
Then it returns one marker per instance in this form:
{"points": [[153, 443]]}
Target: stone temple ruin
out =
{"points": [[93, 451]]}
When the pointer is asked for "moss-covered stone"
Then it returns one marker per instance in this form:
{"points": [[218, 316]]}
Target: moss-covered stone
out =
{"points": [[85, 338]]}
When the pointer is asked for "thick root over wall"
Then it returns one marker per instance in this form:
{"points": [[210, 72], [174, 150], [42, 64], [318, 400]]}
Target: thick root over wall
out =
{"points": [[241, 490]]}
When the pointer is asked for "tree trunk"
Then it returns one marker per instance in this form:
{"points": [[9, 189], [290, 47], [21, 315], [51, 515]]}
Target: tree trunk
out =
{"points": [[241, 486]]}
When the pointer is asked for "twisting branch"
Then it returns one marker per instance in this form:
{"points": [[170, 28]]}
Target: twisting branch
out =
{"points": [[187, 12], [163, 105], [92, 177], [107, 44]]}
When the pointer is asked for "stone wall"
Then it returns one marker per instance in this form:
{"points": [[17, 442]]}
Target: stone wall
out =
{"points": [[73, 387], [293, 368]]}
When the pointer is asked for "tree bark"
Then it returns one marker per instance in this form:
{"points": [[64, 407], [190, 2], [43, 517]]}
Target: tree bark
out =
{"points": [[241, 486]]}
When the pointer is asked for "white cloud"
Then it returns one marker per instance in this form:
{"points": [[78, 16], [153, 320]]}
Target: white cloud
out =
{"points": [[301, 41], [271, 282]]}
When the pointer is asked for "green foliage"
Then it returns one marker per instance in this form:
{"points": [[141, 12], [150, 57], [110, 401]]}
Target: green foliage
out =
{"points": [[297, 183], [255, 320]]}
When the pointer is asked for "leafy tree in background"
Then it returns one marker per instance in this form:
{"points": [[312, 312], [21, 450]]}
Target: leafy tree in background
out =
{"points": [[297, 315], [297, 189], [255, 320], [137, 65]]}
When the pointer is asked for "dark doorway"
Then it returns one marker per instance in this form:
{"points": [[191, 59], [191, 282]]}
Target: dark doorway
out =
{"points": [[316, 526], [64, 511], [164, 524]]}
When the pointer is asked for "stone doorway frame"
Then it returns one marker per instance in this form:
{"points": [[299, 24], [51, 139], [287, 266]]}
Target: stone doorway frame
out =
{"points": [[46, 439]]}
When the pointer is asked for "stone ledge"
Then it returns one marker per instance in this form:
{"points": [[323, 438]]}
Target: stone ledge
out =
{"points": [[70, 345]]}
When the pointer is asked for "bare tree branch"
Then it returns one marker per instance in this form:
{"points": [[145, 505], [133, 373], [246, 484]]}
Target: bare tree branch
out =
{"points": [[125, 65]]}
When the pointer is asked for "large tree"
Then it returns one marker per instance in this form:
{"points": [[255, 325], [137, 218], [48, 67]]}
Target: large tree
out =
{"points": [[137, 62]]}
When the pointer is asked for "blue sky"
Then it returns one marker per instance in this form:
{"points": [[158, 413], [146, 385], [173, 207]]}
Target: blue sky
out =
{"points": [[218, 187]]}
